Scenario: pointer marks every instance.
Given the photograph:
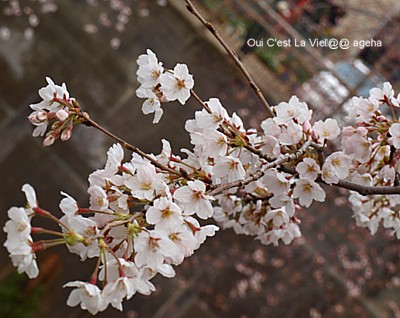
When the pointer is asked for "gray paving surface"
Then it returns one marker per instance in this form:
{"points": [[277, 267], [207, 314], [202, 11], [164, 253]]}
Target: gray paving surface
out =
{"points": [[334, 271]]}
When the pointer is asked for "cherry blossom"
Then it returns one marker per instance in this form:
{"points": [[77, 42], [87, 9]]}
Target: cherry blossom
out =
{"points": [[201, 232], [215, 118], [329, 129], [145, 182], [152, 248], [307, 191], [229, 167], [149, 70], [291, 134], [308, 169], [58, 108], [276, 182], [381, 94], [84, 242], [158, 85], [339, 163], [184, 239], [19, 241], [164, 213], [68, 205], [98, 198], [394, 131], [294, 109], [30, 197], [116, 291], [194, 199], [88, 295], [363, 109], [176, 85], [151, 105]]}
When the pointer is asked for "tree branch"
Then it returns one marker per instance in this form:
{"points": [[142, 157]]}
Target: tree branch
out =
{"points": [[367, 190], [258, 174], [233, 55], [90, 122], [361, 189]]}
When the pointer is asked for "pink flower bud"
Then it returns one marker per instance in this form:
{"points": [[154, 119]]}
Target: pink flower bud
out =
{"points": [[37, 118], [33, 119], [362, 131], [348, 131], [62, 115], [306, 126], [48, 141], [67, 133], [382, 119], [41, 116], [314, 135]]}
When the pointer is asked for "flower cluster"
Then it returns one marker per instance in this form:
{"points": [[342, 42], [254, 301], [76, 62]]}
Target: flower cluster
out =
{"points": [[266, 207], [158, 85], [374, 148], [138, 225], [144, 215], [58, 109], [19, 242]]}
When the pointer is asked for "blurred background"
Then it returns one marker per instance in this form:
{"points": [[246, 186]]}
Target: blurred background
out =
{"points": [[334, 270]]}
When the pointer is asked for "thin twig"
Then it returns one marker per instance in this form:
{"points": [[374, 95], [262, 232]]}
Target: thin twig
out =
{"points": [[258, 174], [230, 130], [233, 55], [114, 224], [200, 101], [90, 122]]}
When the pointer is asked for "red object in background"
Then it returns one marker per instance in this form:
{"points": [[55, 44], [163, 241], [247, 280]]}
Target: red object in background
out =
{"points": [[296, 11]]}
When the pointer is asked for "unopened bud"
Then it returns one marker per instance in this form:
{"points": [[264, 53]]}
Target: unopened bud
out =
{"points": [[42, 116], [33, 119], [48, 141], [306, 126], [38, 117], [67, 133], [62, 115], [314, 135]]}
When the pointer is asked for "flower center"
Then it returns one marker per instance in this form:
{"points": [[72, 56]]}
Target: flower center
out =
{"points": [[166, 213], [100, 201], [174, 237], [233, 165], [153, 243], [336, 162], [20, 227], [180, 83], [307, 188], [146, 185], [155, 73]]}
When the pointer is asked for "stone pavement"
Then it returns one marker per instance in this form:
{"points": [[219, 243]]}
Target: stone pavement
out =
{"points": [[335, 270]]}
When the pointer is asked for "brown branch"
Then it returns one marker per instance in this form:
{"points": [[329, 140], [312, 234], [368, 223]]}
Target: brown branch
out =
{"points": [[233, 55], [361, 189], [200, 101], [258, 174], [90, 122], [367, 190]]}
